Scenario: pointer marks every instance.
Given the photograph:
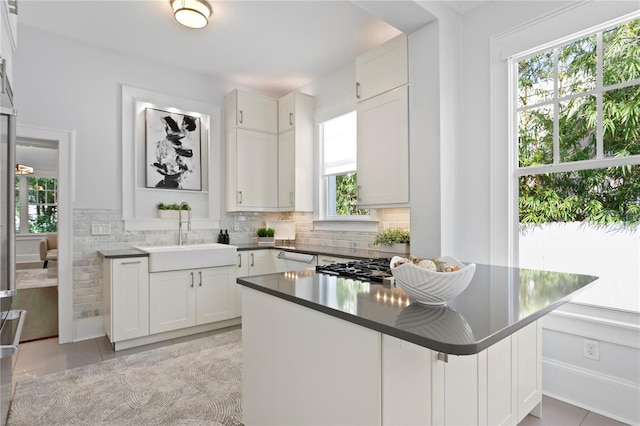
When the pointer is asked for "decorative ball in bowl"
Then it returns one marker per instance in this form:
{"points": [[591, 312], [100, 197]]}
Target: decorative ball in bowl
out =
{"points": [[421, 279]]}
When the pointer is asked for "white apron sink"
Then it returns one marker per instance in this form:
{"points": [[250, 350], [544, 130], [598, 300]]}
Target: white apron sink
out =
{"points": [[189, 256]]}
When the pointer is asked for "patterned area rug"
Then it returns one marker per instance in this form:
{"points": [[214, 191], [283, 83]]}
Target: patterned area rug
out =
{"points": [[191, 383]]}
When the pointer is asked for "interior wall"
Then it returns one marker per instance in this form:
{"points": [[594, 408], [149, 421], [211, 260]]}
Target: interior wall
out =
{"points": [[65, 84]]}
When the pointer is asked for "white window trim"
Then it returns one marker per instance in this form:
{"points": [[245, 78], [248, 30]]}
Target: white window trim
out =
{"points": [[566, 23]]}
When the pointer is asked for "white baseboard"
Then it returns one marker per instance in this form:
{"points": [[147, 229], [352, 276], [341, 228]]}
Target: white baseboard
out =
{"points": [[87, 328], [609, 396]]}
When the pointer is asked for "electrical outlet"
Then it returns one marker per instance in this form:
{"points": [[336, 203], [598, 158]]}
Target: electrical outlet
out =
{"points": [[236, 226], [100, 229], [592, 349]]}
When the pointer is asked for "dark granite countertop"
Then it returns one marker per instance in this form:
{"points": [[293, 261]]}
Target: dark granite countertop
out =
{"points": [[497, 302], [116, 254]]}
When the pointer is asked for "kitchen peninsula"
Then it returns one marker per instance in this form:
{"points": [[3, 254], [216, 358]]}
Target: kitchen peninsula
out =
{"points": [[325, 349]]}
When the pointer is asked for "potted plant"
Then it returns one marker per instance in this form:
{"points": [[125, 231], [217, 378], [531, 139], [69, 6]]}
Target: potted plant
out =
{"points": [[170, 211], [265, 236], [394, 240]]}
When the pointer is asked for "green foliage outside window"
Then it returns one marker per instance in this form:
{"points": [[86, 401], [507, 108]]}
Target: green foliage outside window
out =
{"points": [[601, 196], [347, 196], [42, 210]]}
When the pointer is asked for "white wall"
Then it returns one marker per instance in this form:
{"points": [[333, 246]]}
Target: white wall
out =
{"points": [[64, 84]]}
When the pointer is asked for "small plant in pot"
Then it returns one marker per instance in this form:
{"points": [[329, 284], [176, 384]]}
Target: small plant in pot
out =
{"points": [[170, 211], [394, 240], [265, 236]]}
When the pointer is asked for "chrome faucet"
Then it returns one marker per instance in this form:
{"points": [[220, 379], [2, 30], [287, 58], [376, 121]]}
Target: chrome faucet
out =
{"points": [[181, 222]]}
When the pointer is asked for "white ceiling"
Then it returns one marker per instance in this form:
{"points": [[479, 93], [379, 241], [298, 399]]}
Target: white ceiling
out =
{"points": [[276, 46]]}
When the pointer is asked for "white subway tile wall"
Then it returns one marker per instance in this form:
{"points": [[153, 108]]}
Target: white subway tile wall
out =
{"points": [[87, 264]]}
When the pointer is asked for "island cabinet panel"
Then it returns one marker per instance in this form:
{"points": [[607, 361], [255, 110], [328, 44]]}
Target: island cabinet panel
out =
{"points": [[303, 367], [322, 370], [406, 382], [529, 354]]}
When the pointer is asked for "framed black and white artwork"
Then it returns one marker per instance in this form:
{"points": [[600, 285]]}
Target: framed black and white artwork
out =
{"points": [[173, 152]]}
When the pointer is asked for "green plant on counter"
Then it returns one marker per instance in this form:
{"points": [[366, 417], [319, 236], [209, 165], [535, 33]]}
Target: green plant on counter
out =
{"points": [[390, 237], [266, 232], [174, 206]]}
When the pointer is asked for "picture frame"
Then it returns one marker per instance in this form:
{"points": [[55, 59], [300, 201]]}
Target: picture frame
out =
{"points": [[173, 152]]}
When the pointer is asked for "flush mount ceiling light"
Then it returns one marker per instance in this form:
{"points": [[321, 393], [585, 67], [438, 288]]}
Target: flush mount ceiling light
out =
{"points": [[21, 169], [191, 13]]}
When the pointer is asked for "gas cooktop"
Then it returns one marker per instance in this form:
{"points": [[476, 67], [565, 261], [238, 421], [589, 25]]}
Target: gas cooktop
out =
{"points": [[375, 269]]}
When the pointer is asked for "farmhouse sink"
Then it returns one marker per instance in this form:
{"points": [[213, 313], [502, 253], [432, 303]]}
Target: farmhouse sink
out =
{"points": [[189, 256]]}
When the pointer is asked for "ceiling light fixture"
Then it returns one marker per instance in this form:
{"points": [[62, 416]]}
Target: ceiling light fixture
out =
{"points": [[191, 13], [21, 169]]}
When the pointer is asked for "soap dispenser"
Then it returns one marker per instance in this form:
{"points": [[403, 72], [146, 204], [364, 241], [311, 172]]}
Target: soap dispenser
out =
{"points": [[221, 237], [226, 237]]}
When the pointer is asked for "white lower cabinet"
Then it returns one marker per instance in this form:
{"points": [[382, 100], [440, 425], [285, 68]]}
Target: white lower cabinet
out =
{"points": [[301, 366], [252, 262], [126, 294], [186, 298]]}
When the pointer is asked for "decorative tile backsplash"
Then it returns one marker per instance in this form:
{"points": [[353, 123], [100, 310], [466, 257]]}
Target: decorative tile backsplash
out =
{"points": [[87, 264]]}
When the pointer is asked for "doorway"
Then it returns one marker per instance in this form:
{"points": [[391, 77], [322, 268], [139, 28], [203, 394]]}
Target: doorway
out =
{"points": [[36, 237], [63, 141]]}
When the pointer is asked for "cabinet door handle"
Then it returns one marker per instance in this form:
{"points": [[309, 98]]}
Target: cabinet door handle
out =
{"points": [[191, 273], [291, 197], [239, 197], [252, 260], [131, 263], [290, 119], [359, 191], [357, 90], [200, 278], [443, 357], [241, 116], [239, 260], [13, 6]]}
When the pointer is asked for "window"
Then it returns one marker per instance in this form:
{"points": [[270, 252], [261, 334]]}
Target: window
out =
{"points": [[577, 117], [339, 168], [36, 205]]}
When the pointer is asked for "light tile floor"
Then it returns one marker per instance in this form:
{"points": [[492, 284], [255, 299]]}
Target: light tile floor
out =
{"points": [[41, 357]]}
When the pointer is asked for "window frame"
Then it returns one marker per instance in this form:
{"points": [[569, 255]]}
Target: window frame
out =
{"points": [[24, 202], [322, 214], [600, 161]]}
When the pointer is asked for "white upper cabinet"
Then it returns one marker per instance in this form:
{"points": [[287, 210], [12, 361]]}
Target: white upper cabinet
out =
{"points": [[295, 152], [383, 149], [269, 170], [252, 112], [382, 69], [252, 170]]}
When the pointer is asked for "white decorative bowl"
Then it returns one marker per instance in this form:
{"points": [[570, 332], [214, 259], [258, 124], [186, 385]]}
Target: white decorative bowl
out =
{"points": [[432, 288]]}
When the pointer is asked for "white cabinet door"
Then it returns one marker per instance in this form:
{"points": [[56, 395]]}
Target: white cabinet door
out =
{"points": [[260, 262], [295, 152], [215, 295], [172, 298], [257, 112], [383, 149], [257, 169], [242, 268], [286, 169], [382, 69], [129, 298], [286, 112]]}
